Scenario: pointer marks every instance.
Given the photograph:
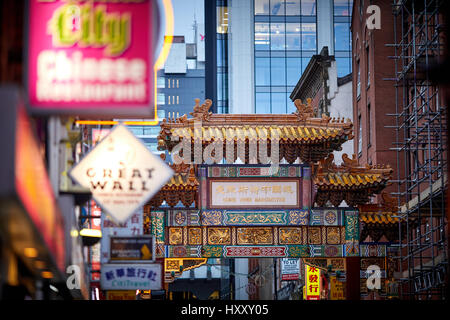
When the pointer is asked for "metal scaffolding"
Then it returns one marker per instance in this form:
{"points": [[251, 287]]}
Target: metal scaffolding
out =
{"points": [[421, 143]]}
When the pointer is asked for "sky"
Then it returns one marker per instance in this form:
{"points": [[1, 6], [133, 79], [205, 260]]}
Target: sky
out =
{"points": [[184, 11]]}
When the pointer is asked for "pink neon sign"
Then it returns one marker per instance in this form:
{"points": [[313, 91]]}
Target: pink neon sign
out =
{"points": [[91, 57]]}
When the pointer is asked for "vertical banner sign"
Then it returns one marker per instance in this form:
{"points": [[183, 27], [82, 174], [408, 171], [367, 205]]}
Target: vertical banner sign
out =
{"points": [[337, 289], [95, 223], [91, 57], [312, 282]]}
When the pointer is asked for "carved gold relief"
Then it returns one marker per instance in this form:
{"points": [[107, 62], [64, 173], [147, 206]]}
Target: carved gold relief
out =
{"points": [[254, 235], [195, 236], [333, 236], [314, 235], [175, 236], [219, 236], [290, 235], [337, 263], [172, 265]]}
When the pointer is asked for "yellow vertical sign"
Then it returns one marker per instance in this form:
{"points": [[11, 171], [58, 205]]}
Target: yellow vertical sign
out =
{"points": [[312, 282], [337, 289]]}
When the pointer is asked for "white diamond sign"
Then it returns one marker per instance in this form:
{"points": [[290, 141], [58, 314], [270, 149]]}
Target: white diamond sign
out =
{"points": [[121, 173]]}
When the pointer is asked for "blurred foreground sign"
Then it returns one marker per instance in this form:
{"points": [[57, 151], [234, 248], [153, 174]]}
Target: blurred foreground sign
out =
{"points": [[121, 173], [131, 277]]}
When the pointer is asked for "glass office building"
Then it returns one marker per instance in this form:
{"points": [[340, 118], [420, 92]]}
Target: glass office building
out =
{"points": [[262, 47], [285, 39]]}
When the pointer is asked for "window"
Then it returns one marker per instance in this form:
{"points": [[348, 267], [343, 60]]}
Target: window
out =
{"points": [[358, 81], [368, 66], [278, 71], [343, 66], [369, 119], [262, 102], [308, 36], [292, 7], [342, 8], [262, 71], [278, 101], [261, 7], [285, 38], [262, 40], [341, 36], [293, 71], [160, 99], [292, 36], [277, 7], [308, 7], [151, 131], [277, 36], [359, 135], [160, 82], [161, 114]]}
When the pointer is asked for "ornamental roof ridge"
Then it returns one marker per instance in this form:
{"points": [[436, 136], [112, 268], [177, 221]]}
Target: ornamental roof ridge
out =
{"points": [[303, 116], [351, 165]]}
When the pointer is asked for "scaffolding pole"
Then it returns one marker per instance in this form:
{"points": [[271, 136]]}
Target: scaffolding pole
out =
{"points": [[421, 142]]}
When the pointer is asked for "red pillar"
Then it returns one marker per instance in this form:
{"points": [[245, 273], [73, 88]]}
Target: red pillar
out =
{"points": [[353, 282]]}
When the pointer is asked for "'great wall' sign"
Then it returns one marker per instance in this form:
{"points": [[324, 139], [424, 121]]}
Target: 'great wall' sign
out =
{"points": [[121, 173], [91, 57]]}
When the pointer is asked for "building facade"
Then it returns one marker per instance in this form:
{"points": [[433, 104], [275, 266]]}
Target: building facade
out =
{"points": [[399, 114], [267, 46]]}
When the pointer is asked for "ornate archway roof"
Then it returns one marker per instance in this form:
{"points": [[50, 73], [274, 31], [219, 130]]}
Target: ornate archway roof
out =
{"points": [[378, 219], [183, 186], [300, 134], [349, 181]]}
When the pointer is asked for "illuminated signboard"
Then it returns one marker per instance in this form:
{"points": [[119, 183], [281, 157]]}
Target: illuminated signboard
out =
{"points": [[131, 276], [35, 191], [121, 173], [312, 282], [91, 57]]}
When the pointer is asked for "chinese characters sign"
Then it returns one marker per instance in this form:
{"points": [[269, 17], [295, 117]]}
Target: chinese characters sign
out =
{"points": [[254, 194], [312, 282], [91, 57], [337, 289], [131, 277], [121, 173]]}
